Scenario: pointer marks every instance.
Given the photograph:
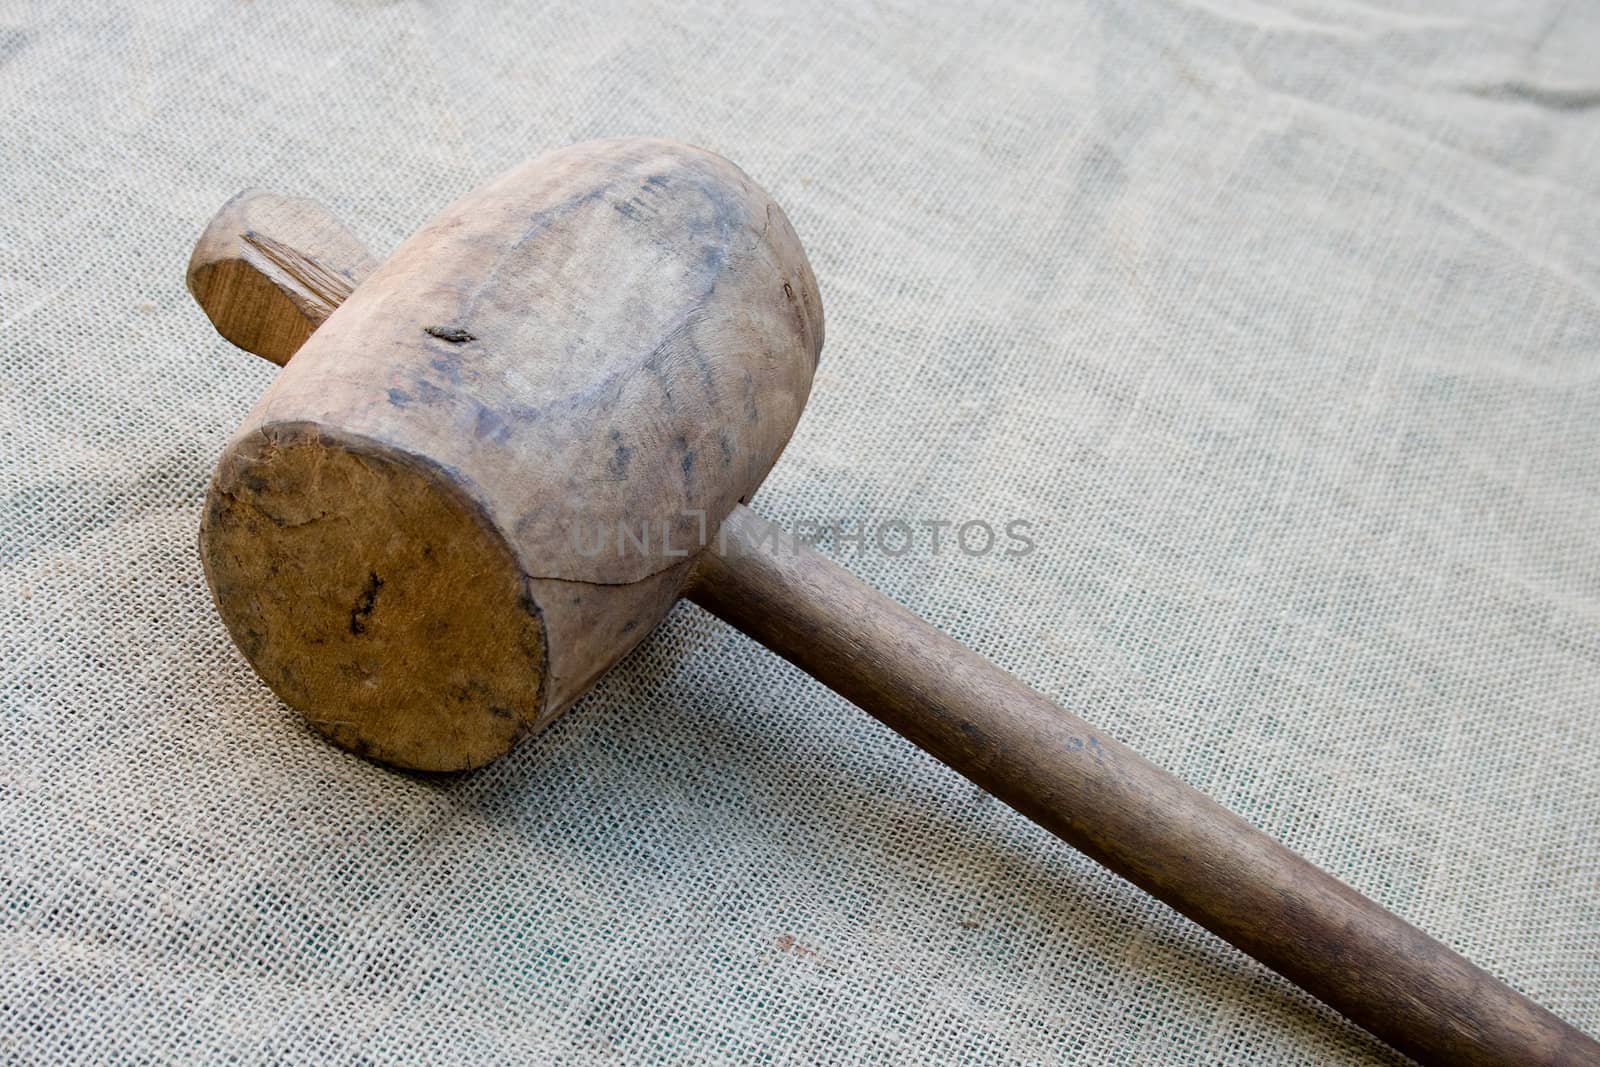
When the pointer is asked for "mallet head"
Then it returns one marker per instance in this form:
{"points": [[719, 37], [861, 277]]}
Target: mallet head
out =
{"points": [[484, 478]]}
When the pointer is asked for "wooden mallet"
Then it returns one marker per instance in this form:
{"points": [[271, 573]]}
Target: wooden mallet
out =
{"points": [[609, 347]]}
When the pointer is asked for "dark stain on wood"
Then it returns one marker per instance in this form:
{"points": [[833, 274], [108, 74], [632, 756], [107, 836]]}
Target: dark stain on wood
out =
{"points": [[617, 466], [364, 605], [454, 334]]}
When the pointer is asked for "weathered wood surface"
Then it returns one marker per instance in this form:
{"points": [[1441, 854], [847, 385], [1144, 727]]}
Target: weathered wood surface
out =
{"points": [[615, 336], [383, 555], [269, 269]]}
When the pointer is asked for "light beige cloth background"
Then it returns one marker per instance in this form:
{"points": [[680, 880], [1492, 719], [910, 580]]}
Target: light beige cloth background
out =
{"points": [[1280, 322]]}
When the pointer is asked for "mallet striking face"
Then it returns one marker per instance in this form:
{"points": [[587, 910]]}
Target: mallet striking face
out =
{"points": [[615, 339], [619, 337]]}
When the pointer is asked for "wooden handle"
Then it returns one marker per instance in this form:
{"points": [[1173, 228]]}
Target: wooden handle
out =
{"points": [[269, 269], [1125, 813], [280, 261]]}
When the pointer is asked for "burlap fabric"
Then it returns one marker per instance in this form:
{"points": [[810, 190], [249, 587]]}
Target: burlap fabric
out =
{"points": [[1279, 322]]}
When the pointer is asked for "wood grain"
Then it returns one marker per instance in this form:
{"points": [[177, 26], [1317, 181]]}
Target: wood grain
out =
{"points": [[260, 290], [617, 336], [376, 583]]}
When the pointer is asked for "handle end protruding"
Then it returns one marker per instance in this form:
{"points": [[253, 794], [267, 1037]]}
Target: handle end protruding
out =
{"points": [[270, 268]]}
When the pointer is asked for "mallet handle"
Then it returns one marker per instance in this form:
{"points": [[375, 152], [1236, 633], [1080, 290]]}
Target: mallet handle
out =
{"points": [[1124, 812], [270, 269]]}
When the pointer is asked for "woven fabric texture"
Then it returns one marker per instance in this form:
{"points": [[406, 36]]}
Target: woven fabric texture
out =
{"points": [[1279, 322]]}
